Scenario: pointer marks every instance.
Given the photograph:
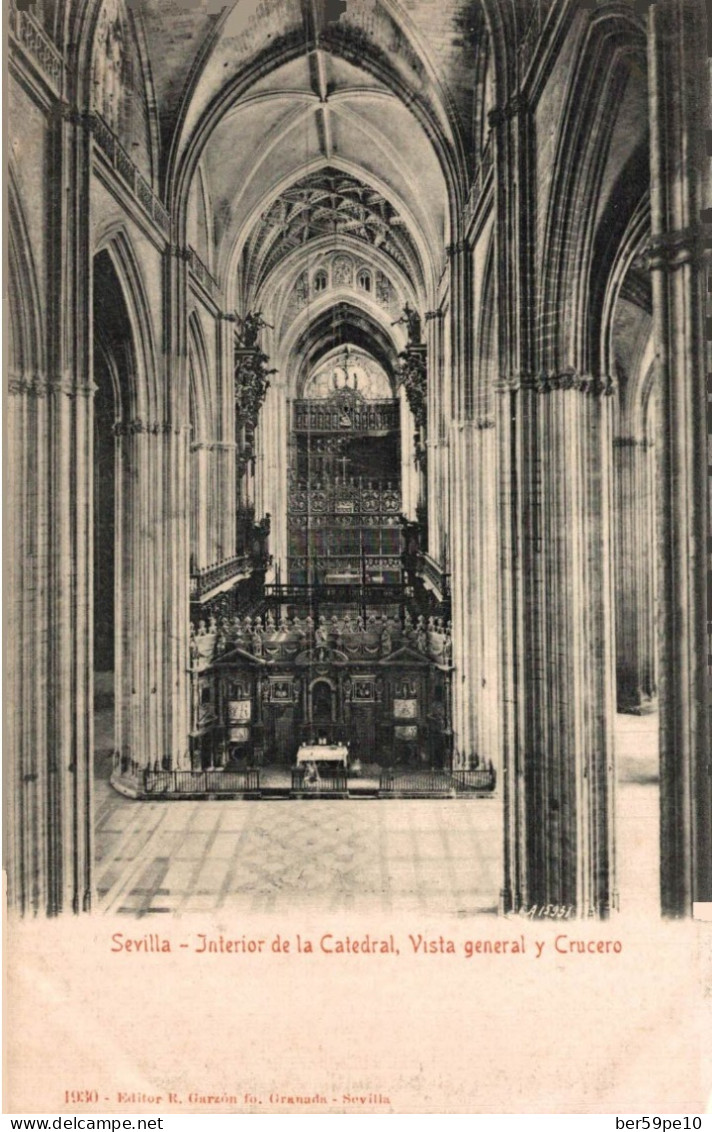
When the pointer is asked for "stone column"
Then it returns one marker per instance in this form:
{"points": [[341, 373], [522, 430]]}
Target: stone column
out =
{"points": [[434, 444], [678, 89], [557, 662], [560, 817], [200, 497], [228, 453], [68, 550], [272, 441], [409, 472], [27, 489], [475, 680], [634, 576], [173, 631]]}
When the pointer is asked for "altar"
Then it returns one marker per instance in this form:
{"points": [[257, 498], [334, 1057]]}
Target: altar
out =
{"points": [[323, 753]]}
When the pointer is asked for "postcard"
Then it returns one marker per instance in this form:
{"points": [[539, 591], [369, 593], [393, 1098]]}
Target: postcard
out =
{"points": [[357, 747]]}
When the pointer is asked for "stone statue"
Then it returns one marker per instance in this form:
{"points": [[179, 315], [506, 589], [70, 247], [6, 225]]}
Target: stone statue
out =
{"points": [[251, 327], [411, 318]]}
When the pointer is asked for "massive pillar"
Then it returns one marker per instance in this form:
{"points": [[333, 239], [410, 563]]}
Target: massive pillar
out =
{"points": [[553, 429], [474, 592], [172, 525], [50, 680], [678, 117], [557, 432]]}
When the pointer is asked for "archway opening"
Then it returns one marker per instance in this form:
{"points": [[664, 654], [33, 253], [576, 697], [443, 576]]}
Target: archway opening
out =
{"points": [[636, 436], [113, 366]]}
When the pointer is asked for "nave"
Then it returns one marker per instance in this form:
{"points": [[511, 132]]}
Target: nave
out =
{"points": [[357, 407]]}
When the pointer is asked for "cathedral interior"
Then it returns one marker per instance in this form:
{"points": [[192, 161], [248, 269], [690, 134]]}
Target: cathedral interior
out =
{"points": [[357, 452]]}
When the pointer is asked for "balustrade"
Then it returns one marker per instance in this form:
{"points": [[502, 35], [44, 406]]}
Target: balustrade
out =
{"points": [[121, 162], [208, 577]]}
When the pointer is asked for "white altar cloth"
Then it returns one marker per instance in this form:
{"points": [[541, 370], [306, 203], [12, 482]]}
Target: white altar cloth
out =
{"points": [[322, 753]]}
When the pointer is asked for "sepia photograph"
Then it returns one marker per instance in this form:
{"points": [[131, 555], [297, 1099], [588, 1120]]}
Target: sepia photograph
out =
{"points": [[357, 653]]}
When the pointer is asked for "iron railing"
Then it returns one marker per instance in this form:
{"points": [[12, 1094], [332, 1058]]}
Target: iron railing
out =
{"points": [[426, 782], [480, 780], [328, 781], [189, 782]]}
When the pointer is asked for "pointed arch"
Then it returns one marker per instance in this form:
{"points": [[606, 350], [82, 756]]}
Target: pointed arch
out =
{"points": [[586, 126], [143, 397], [200, 390], [27, 354]]}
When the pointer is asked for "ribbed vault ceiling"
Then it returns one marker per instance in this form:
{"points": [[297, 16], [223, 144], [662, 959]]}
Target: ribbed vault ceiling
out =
{"points": [[328, 203]]}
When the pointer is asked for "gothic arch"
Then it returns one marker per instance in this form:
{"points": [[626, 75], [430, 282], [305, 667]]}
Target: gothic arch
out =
{"points": [[323, 682], [25, 321], [339, 306], [599, 76], [633, 244], [425, 271], [183, 159], [202, 415], [142, 400], [301, 259], [81, 21]]}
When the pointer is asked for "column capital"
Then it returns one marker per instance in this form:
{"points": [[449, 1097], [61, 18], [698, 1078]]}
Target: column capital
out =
{"points": [[137, 427], [669, 250], [509, 110], [38, 386], [452, 250], [214, 446], [632, 442], [548, 381]]}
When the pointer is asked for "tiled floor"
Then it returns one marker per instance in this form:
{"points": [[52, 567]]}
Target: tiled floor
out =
{"points": [[440, 856]]}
